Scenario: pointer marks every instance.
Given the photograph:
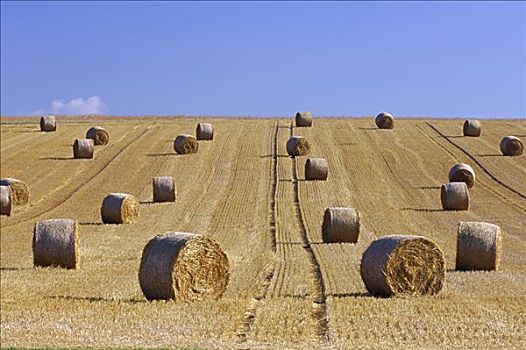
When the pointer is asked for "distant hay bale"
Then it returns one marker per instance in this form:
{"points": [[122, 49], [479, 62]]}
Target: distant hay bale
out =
{"points": [[316, 169], [471, 128], [298, 146], [461, 172], [403, 265], [164, 189], [185, 144], [184, 267], [511, 146], [99, 135], [303, 119], [340, 225], [478, 246], [19, 191], [5, 200], [48, 123], [119, 208], [204, 131], [55, 243], [454, 196], [384, 120], [83, 148]]}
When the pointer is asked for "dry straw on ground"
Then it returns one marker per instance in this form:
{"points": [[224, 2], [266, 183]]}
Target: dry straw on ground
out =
{"points": [[164, 189], [340, 225], [479, 246], [48, 123], [511, 146], [298, 146], [204, 131], [316, 169], [83, 148], [185, 144], [55, 243], [303, 119], [184, 267], [384, 120], [5, 200], [461, 172], [454, 196], [403, 265], [471, 128], [19, 190], [119, 208], [99, 135]]}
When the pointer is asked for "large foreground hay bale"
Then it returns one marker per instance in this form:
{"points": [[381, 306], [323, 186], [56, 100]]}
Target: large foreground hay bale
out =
{"points": [[48, 123], [471, 128], [316, 169], [204, 131], [511, 146], [185, 144], [99, 135], [5, 200], [461, 172], [19, 190], [119, 208], [478, 246], [384, 120], [55, 243], [83, 148], [340, 225], [403, 265], [164, 189], [298, 146], [303, 119], [183, 266], [454, 196]]}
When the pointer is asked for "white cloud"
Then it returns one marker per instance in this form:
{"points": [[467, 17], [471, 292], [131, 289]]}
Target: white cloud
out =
{"points": [[90, 105]]}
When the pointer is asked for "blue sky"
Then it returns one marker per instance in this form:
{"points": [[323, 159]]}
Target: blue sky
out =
{"points": [[263, 58]]}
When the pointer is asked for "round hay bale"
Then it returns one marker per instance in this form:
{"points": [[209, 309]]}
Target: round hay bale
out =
{"points": [[461, 172], [384, 120], [48, 123], [99, 135], [55, 243], [19, 191], [83, 148], [204, 131], [340, 225], [303, 119], [119, 208], [185, 144], [478, 246], [316, 169], [164, 189], [471, 128], [298, 146], [5, 200], [455, 196], [183, 266], [403, 265], [511, 146]]}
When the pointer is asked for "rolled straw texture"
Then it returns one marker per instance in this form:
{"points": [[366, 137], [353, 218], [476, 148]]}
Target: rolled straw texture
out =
{"points": [[340, 225], [384, 120], [119, 208], [471, 128], [99, 135], [204, 131], [164, 189], [55, 243], [298, 146], [5, 200], [461, 172], [83, 148], [19, 191], [479, 246], [454, 196], [185, 144], [511, 146], [316, 169], [48, 123], [303, 119]]}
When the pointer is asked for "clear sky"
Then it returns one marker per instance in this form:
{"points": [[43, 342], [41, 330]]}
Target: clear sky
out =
{"points": [[263, 58]]}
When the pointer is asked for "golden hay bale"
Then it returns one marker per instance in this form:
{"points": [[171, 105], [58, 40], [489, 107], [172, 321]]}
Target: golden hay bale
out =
{"points": [[164, 189], [204, 131], [340, 225], [303, 119], [99, 135], [298, 146], [455, 196], [384, 120], [471, 128], [403, 265], [5, 200], [19, 190], [316, 169], [119, 208], [511, 146], [55, 243], [83, 148], [48, 123], [461, 172], [183, 266], [478, 246], [185, 144]]}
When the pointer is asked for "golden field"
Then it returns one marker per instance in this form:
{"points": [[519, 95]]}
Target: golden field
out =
{"points": [[287, 289]]}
